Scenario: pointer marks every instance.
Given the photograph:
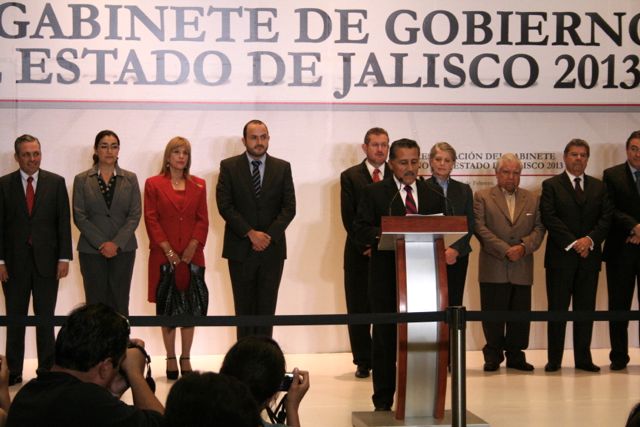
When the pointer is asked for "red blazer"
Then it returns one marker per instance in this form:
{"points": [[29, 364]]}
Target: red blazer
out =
{"points": [[166, 222]]}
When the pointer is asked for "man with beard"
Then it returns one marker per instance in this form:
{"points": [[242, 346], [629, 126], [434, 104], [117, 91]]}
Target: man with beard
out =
{"points": [[256, 198]]}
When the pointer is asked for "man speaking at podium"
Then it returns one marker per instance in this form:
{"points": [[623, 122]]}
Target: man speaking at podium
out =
{"points": [[402, 195]]}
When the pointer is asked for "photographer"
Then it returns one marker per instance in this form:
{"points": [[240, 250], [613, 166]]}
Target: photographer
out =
{"points": [[85, 383], [259, 363]]}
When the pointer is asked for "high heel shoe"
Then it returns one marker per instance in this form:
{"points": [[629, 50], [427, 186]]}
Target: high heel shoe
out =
{"points": [[182, 370], [171, 374]]}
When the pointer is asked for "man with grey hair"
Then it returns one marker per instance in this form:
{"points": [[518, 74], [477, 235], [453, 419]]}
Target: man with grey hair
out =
{"points": [[509, 228], [35, 249]]}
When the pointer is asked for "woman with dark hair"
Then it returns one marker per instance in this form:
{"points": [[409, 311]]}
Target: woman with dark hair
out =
{"points": [[106, 210], [175, 213]]}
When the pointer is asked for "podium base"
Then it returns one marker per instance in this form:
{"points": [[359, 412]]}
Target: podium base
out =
{"points": [[387, 419]]}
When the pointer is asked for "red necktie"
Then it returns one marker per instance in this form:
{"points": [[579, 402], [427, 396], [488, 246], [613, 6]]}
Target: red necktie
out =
{"points": [[409, 202], [376, 175], [31, 195]]}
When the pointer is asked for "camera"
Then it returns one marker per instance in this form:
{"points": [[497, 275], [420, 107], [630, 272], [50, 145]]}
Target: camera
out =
{"points": [[286, 382], [148, 377]]}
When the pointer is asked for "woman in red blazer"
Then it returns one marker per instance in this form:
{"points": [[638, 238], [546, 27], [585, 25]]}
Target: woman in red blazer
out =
{"points": [[175, 214]]}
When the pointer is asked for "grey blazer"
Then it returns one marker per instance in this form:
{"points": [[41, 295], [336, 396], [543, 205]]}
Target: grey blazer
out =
{"points": [[497, 233], [99, 224]]}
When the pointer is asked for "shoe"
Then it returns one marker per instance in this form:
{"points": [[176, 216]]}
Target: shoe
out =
{"points": [[172, 374], [15, 379], [551, 367], [589, 367], [385, 407], [491, 366], [520, 366], [617, 366], [184, 371], [362, 371]]}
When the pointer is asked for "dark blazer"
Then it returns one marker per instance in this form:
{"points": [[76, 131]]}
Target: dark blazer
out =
{"points": [[352, 183], [623, 193], [166, 220], [459, 202], [383, 199], [242, 210], [98, 223], [49, 225], [567, 220]]}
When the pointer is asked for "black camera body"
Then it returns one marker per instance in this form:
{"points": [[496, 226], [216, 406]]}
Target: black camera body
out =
{"points": [[286, 382], [148, 378]]}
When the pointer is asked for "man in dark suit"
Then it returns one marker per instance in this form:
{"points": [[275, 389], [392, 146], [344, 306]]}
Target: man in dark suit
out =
{"points": [[577, 213], [509, 229], [35, 249], [399, 196], [622, 248], [356, 254], [256, 198]]}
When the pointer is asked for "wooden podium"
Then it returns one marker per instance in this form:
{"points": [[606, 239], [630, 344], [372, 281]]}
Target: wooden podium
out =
{"points": [[421, 278]]}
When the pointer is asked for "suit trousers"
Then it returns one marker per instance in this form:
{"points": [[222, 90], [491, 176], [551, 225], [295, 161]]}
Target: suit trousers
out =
{"points": [[255, 283], [623, 276], [456, 277], [108, 280], [356, 285], [17, 293], [505, 337], [563, 285], [382, 296]]}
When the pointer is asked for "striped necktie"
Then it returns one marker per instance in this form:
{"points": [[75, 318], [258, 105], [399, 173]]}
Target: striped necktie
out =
{"points": [[255, 176], [409, 202]]}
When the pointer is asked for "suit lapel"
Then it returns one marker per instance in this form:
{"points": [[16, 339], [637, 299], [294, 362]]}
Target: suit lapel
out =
{"points": [[631, 183], [95, 188], [166, 187], [121, 188], [396, 207], [521, 200], [44, 182], [568, 185], [364, 173], [501, 202], [18, 192], [244, 172]]}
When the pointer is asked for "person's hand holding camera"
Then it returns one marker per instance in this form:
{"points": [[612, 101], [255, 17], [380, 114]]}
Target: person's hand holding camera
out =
{"points": [[299, 387]]}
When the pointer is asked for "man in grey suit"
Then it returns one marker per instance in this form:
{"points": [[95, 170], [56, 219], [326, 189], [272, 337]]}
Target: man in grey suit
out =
{"points": [[577, 213], [372, 169], [509, 228], [256, 198], [622, 247], [35, 249]]}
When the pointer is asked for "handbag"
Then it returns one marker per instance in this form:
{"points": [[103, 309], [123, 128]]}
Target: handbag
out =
{"points": [[171, 301]]}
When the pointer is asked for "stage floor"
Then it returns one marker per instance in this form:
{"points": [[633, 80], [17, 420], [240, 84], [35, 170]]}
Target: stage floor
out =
{"points": [[505, 398]]}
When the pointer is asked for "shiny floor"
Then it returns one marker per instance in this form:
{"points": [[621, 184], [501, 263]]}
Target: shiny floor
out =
{"points": [[505, 398]]}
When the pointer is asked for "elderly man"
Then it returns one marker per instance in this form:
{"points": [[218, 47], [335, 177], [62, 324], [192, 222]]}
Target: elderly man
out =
{"points": [[577, 213], [622, 247], [508, 225]]}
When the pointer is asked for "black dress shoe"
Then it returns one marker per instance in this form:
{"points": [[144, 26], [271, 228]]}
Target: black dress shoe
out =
{"points": [[362, 371], [551, 367], [15, 379], [491, 366], [384, 407], [617, 366], [589, 367], [520, 366]]}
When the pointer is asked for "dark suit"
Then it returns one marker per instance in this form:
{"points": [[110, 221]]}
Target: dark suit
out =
{"points": [[568, 275], [107, 280], [255, 275], [458, 201], [622, 258], [356, 265], [31, 247], [378, 200]]}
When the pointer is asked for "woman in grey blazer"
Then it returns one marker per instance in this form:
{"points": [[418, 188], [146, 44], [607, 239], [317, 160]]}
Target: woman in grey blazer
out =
{"points": [[106, 210]]}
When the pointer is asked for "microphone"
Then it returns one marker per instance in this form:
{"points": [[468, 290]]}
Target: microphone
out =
{"points": [[393, 198], [440, 192]]}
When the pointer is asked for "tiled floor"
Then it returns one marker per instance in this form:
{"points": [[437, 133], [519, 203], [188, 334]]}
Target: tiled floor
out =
{"points": [[506, 398]]}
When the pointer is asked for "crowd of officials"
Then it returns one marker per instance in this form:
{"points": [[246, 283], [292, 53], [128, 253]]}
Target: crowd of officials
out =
{"points": [[255, 196]]}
